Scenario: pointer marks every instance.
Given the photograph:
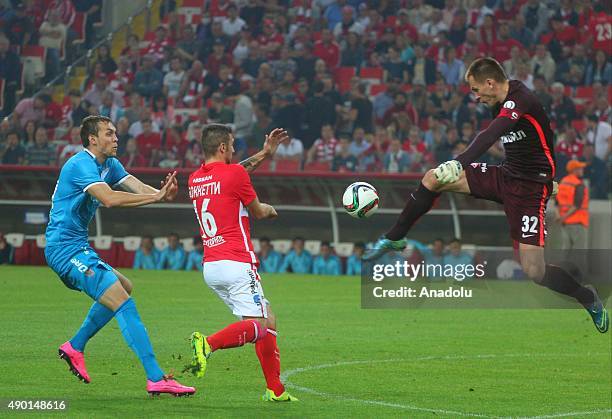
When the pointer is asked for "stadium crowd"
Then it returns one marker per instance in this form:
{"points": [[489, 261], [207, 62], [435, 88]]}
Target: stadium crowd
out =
{"points": [[360, 85]]}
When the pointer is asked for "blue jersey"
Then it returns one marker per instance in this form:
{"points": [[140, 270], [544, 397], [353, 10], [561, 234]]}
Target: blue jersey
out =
{"points": [[72, 208], [353, 265], [271, 262], [194, 261], [299, 264], [327, 266], [173, 259], [144, 261]]}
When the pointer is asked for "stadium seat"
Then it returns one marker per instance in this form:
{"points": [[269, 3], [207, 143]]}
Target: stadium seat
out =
{"points": [[21, 250], [182, 115], [78, 26], [126, 251], [579, 125], [375, 89], [343, 76], [33, 59], [106, 249], [256, 245], [265, 166], [281, 246], [313, 246], [288, 165], [37, 250], [160, 243], [371, 74], [584, 92], [317, 166], [187, 244], [344, 249]]}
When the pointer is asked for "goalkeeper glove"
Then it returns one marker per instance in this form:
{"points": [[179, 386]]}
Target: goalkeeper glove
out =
{"points": [[448, 172]]}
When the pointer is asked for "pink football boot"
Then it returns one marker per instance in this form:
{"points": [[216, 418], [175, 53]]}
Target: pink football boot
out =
{"points": [[75, 360], [170, 386]]}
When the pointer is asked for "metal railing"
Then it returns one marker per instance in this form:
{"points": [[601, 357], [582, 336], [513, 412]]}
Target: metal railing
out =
{"points": [[86, 57]]}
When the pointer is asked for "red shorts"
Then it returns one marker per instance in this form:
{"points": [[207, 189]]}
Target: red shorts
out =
{"points": [[524, 201]]}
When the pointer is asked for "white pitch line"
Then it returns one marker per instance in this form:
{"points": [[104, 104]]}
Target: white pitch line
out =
{"points": [[285, 377]]}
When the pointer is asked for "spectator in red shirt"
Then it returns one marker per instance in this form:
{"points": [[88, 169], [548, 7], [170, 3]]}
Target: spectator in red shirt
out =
{"points": [[327, 50], [217, 58], [420, 157], [506, 11], [502, 46], [488, 31], [161, 41], [270, 41], [149, 142], [132, 157], [570, 145], [403, 26]]}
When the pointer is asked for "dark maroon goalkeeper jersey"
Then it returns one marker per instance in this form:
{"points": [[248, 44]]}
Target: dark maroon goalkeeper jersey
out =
{"points": [[524, 129]]}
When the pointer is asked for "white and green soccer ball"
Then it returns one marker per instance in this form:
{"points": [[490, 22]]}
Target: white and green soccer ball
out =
{"points": [[360, 200]]}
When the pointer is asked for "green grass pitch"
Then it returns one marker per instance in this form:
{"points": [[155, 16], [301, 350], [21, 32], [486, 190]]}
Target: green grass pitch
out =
{"points": [[340, 360]]}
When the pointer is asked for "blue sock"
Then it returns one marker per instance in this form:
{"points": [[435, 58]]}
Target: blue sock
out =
{"points": [[137, 338], [96, 319]]}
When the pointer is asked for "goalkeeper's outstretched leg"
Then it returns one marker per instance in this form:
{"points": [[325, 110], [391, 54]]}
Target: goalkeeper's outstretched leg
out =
{"points": [[447, 177]]}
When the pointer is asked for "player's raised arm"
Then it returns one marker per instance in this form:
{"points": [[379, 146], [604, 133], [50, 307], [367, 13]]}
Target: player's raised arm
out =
{"points": [[261, 211], [485, 139], [110, 198], [273, 140], [134, 185]]}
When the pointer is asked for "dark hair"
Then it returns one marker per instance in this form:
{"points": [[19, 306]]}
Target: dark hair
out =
{"points": [[438, 240], [13, 132], [360, 245], [147, 236], [325, 243], [213, 135], [196, 240], [300, 238], [264, 239], [486, 68], [89, 126], [173, 235]]}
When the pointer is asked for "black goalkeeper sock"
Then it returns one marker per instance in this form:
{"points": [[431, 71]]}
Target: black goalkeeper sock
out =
{"points": [[561, 281], [419, 203]]}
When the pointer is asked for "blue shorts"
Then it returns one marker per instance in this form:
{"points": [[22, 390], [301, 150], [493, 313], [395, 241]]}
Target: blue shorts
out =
{"points": [[81, 269]]}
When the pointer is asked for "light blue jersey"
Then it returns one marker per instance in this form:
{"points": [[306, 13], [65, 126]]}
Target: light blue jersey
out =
{"points": [[299, 264], [353, 265], [329, 265], [72, 208], [146, 261], [194, 261], [68, 252]]}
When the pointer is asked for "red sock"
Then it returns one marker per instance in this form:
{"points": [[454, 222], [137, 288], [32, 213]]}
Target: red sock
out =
{"points": [[236, 334], [269, 358]]}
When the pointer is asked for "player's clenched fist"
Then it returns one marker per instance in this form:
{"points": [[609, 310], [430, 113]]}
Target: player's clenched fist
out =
{"points": [[448, 172]]}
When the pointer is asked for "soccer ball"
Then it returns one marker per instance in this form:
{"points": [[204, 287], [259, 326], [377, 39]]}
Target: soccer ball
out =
{"points": [[360, 200]]}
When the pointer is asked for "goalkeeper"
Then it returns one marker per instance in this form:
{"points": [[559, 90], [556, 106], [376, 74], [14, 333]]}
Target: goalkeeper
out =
{"points": [[523, 183]]}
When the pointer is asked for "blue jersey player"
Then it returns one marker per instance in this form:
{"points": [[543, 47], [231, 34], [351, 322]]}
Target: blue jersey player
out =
{"points": [[85, 181]]}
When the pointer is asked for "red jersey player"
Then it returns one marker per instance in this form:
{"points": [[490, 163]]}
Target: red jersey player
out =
{"points": [[223, 197], [523, 183]]}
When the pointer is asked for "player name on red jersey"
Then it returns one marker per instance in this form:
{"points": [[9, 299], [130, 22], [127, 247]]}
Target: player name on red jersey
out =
{"points": [[212, 188]]}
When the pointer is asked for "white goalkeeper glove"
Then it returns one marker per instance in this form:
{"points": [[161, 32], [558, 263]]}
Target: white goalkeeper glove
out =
{"points": [[448, 172]]}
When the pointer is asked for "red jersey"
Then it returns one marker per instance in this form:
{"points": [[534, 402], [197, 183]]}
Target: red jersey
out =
{"points": [[600, 29], [220, 193]]}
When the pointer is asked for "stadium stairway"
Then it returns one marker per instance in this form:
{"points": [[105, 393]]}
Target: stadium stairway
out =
{"points": [[119, 41]]}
